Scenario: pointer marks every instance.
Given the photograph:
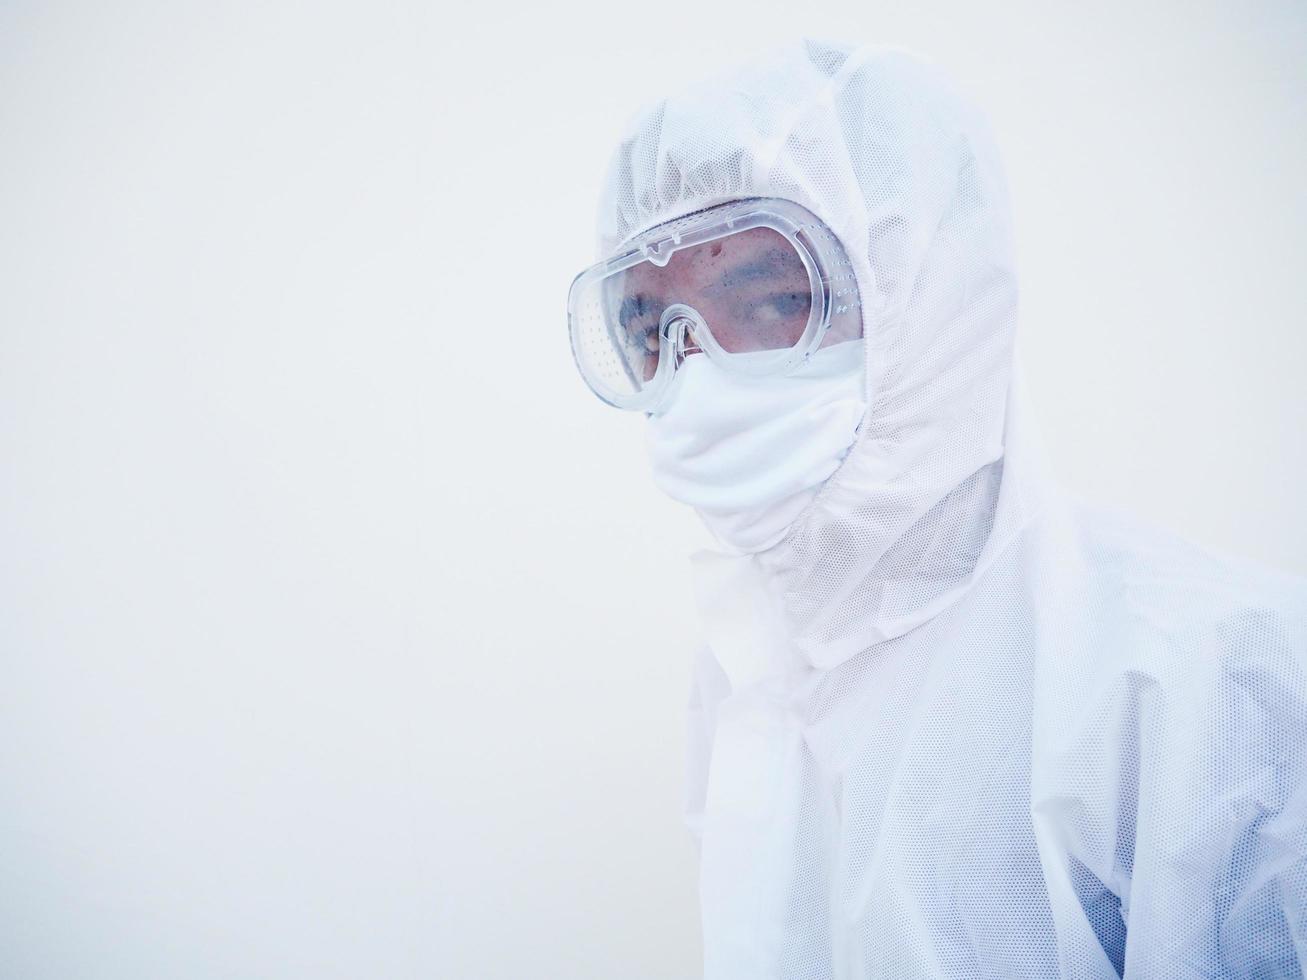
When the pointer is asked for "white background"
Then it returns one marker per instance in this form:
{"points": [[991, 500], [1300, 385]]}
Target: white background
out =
{"points": [[342, 633]]}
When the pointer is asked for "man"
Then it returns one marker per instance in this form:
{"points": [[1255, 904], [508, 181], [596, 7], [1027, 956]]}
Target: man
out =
{"points": [[949, 723]]}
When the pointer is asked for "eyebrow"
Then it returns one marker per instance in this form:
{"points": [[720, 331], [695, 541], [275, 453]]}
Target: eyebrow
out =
{"points": [[767, 267], [629, 307]]}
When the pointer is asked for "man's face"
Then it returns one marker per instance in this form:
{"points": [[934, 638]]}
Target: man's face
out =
{"points": [[751, 288]]}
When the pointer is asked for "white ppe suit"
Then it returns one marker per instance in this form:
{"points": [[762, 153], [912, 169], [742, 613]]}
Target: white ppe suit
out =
{"points": [[955, 724]]}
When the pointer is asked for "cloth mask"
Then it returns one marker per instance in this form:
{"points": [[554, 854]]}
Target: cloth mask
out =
{"points": [[749, 453]]}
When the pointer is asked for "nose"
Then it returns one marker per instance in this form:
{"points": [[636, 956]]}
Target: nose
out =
{"points": [[679, 324], [690, 345]]}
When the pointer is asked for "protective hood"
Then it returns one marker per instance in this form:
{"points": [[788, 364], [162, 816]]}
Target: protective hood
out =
{"points": [[954, 724], [876, 143]]}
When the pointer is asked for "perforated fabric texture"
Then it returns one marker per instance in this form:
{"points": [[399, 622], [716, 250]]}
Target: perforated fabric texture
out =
{"points": [[956, 724]]}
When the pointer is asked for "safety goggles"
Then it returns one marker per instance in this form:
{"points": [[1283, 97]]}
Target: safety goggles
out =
{"points": [[757, 285]]}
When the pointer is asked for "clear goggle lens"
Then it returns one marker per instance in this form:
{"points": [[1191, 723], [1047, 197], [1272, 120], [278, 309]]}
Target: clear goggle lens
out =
{"points": [[761, 277]]}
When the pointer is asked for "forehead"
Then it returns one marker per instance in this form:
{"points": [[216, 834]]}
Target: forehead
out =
{"points": [[756, 256]]}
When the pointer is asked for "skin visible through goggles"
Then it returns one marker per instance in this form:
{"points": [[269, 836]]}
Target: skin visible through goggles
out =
{"points": [[750, 287]]}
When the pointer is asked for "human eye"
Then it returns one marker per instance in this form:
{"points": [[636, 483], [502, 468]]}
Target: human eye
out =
{"points": [[772, 320], [645, 338], [641, 326], [788, 304], [777, 308]]}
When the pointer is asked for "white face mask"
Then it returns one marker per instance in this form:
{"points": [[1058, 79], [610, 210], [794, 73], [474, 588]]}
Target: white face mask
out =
{"points": [[750, 453]]}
